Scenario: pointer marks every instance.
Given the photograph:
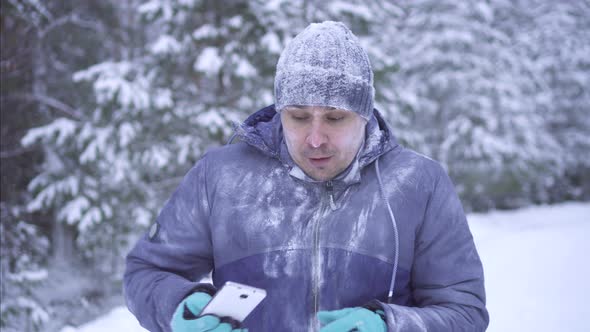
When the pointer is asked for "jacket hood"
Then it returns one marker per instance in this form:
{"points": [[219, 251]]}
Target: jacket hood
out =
{"points": [[263, 130]]}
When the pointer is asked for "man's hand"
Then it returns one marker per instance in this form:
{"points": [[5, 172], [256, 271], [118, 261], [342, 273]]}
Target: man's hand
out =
{"points": [[351, 319], [185, 318]]}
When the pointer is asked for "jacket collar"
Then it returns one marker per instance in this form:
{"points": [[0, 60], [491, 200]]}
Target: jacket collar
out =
{"points": [[263, 131]]}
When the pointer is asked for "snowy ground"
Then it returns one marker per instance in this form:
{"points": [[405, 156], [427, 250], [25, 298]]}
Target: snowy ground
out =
{"points": [[536, 266]]}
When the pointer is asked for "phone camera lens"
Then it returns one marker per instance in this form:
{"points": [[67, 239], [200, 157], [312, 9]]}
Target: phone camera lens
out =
{"points": [[243, 296]]}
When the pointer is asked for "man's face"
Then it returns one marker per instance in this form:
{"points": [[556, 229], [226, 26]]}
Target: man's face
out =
{"points": [[322, 141]]}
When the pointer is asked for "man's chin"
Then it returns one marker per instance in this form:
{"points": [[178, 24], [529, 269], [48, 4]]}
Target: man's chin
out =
{"points": [[319, 174]]}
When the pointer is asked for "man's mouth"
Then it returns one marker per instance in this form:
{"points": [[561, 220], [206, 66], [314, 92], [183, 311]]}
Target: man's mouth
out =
{"points": [[319, 161]]}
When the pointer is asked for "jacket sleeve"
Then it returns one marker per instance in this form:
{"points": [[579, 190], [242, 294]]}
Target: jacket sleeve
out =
{"points": [[167, 262], [447, 274]]}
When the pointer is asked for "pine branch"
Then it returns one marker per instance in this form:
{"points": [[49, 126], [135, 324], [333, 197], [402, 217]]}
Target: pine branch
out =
{"points": [[15, 153], [74, 19], [49, 101]]}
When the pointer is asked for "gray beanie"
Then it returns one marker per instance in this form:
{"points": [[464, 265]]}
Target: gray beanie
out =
{"points": [[325, 65]]}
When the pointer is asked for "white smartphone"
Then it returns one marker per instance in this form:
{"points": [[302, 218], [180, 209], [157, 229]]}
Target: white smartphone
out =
{"points": [[234, 300]]}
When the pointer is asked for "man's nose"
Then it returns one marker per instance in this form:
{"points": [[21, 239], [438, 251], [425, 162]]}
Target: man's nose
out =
{"points": [[317, 136]]}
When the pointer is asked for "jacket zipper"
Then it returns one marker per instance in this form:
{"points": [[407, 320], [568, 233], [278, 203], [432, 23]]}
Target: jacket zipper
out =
{"points": [[316, 267]]}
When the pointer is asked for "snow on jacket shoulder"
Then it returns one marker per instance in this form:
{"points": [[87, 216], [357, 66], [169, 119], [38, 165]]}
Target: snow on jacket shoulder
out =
{"points": [[247, 213]]}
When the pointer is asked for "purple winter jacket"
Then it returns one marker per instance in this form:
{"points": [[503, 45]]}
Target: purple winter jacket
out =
{"points": [[246, 212]]}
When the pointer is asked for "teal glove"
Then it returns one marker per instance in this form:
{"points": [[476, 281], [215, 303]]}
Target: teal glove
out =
{"points": [[185, 317], [351, 319]]}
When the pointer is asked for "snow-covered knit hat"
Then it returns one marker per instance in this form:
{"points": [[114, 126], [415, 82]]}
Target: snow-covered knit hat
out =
{"points": [[325, 65]]}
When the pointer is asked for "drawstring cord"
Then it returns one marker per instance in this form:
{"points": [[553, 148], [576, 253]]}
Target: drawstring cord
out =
{"points": [[231, 139], [395, 233]]}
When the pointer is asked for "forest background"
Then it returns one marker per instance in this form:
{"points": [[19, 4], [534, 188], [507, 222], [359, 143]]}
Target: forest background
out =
{"points": [[105, 105]]}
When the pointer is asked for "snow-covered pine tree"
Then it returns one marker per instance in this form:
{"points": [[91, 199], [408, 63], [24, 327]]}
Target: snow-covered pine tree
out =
{"points": [[54, 37], [23, 250], [153, 114], [561, 44], [86, 171], [472, 98], [150, 115]]}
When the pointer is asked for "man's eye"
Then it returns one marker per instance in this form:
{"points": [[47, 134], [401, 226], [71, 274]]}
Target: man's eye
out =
{"points": [[299, 117], [335, 118]]}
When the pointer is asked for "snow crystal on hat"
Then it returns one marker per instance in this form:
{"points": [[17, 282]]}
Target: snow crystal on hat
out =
{"points": [[325, 65]]}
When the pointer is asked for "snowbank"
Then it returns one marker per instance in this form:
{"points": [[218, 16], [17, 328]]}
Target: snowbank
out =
{"points": [[536, 267]]}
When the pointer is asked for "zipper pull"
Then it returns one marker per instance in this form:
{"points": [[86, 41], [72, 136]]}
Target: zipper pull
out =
{"points": [[330, 188]]}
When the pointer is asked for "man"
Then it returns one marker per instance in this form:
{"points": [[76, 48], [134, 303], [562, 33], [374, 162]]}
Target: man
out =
{"points": [[318, 205]]}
